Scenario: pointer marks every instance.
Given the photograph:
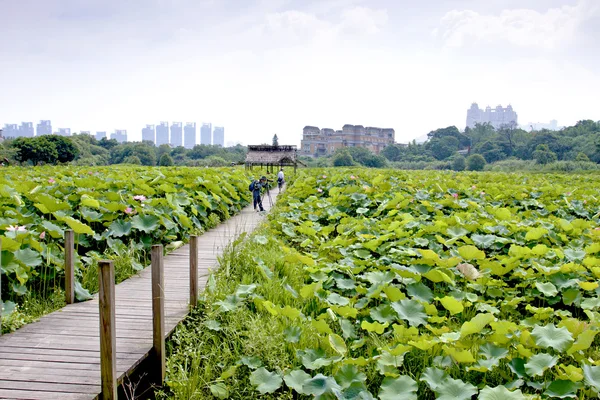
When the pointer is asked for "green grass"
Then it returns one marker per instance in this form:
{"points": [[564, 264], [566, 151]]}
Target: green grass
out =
{"points": [[31, 308]]}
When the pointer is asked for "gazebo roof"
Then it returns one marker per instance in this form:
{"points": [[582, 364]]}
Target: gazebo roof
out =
{"points": [[274, 155]]}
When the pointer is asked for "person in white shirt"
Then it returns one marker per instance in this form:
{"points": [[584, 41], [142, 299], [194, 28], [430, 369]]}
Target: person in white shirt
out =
{"points": [[280, 179]]}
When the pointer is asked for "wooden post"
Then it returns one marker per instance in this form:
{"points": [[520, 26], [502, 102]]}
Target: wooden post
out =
{"points": [[193, 271], [69, 266], [108, 337], [158, 312]]}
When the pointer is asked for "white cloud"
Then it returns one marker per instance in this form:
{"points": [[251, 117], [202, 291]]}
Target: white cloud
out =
{"points": [[296, 27], [550, 30]]}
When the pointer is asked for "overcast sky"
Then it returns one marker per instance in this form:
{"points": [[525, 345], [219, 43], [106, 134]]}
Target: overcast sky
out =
{"points": [[273, 66]]}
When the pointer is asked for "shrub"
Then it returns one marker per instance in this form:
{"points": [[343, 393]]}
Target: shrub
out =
{"points": [[476, 162], [165, 160], [459, 163]]}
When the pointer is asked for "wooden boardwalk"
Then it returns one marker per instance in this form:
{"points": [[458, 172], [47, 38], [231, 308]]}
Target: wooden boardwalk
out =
{"points": [[58, 357]]}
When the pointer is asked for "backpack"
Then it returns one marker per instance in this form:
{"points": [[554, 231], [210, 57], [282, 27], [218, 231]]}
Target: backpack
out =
{"points": [[251, 187]]}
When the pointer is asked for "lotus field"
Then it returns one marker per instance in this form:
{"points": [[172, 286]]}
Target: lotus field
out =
{"points": [[397, 285], [112, 211]]}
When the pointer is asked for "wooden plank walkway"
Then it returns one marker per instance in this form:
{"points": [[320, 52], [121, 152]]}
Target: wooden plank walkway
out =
{"points": [[58, 357]]}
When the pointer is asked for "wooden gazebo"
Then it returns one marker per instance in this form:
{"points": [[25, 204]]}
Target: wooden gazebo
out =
{"points": [[272, 157]]}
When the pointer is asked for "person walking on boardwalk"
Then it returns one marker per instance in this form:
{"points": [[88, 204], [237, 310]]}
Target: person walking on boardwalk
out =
{"points": [[280, 179], [256, 187]]}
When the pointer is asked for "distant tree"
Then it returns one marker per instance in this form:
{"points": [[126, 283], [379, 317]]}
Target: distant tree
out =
{"points": [[275, 140], [66, 149], [392, 152], [359, 154], [581, 156], [163, 149], [134, 160], [475, 162], [215, 161], [39, 149], [107, 143], [375, 161], [165, 160], [451, 131], [459, 163], [143, 152], [342, 158], [490, 150], [543, 154], [444, 147]]}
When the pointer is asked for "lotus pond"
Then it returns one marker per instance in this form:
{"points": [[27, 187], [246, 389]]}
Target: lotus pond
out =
{"points": [[371, 284]]}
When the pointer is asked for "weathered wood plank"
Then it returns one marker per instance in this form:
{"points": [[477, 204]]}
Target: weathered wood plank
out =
{"points": [[108, 344]]}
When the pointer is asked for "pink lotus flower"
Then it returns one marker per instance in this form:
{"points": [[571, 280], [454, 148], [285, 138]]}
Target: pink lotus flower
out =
{"points": [[139, 197], [324, 176], [320, 190], [128, 210], [43, 235], [352, 177], [568, 193], [597, 229], [365, 187], [482, 193], [455, 195], [51, 180], [90, 173], [585, 202], [473, 187], [16, 228]]}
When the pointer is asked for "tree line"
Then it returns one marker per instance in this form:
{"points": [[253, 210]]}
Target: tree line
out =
{"points": [[86, 150], [449, 148]]}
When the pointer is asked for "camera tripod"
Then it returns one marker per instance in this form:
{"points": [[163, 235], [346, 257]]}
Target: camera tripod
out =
{"points": [[268, 191]]}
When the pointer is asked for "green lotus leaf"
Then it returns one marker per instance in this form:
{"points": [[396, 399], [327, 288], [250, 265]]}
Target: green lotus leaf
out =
{"points": [[28, 257], [471, 253], [535, 234], [592, 376], [219, 390], [320, 385], [476, 324], [550, 336], [401, 388], [337, 344], [500, 393], [292, 334], [574, 255], [451, 304], [145, 223], [119, 228], [384, 313], [251, 362], [265, 381], [296, 379], [547, 288], [433, 377], [411, 311], [538, 363], [455, 389], [349, 374], [419, 291], [563, 389], [484, 241]]}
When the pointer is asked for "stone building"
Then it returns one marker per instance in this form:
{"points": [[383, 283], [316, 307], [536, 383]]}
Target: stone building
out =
{"points": [[321, 142], [496, 117]]}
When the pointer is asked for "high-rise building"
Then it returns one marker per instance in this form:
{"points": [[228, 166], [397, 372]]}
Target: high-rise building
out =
{"points": [[149, 134], [219, 136], [189, 136], [44, 128], [320, 142], [63, 132], [26, 129], [120, 135], [496, 117], [176, 134], [205, 134], [100, 135], [162, 133], [10, 131]]}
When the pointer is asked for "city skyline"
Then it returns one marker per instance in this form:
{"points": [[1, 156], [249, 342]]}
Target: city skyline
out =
{"points": [[174, 134], [277, 65]]}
